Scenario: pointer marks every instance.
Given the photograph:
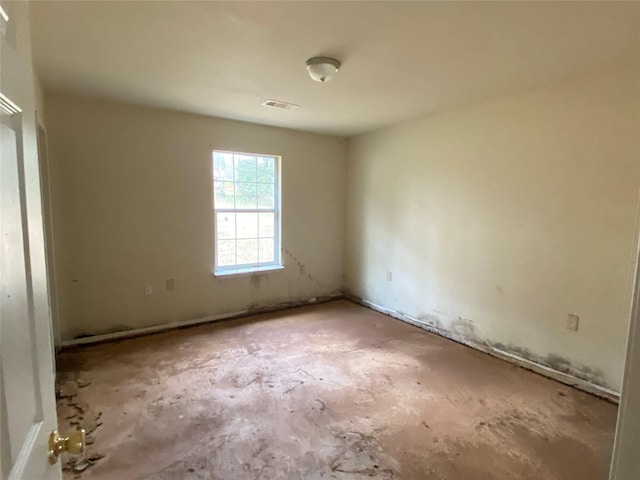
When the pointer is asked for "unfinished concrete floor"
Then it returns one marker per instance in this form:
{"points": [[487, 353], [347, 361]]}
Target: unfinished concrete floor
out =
{"points": [[326, 391]]}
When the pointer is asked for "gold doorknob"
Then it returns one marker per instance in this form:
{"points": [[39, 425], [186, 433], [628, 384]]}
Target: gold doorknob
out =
{"points": [[74, 444]]}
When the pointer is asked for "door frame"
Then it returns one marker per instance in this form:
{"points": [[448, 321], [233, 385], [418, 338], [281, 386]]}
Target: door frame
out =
{"points": [[625, 463], [47, 219]]}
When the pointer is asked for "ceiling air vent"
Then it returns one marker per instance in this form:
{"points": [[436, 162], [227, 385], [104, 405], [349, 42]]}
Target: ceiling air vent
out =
{"points": [[278, 104]]}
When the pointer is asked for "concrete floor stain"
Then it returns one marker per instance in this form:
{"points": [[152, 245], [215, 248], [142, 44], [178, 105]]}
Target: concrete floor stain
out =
{"points": [[328, 391]]}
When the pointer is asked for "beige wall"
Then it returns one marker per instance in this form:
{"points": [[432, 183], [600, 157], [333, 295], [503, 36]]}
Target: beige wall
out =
{"points": [[132, 206], [38, 94], [498, 219]]}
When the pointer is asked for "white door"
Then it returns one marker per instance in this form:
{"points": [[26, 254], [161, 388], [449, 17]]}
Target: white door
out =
{"points": [[27, 399]]}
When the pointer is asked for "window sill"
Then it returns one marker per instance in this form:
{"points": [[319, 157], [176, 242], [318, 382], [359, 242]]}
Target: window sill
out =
{"points": [[247, 271]]}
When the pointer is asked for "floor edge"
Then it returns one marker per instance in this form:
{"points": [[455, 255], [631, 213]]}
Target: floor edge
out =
{"points": [[137, 332], [543, 370]]}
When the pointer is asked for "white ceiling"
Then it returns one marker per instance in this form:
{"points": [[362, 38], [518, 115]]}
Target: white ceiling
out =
{"points": [[400, 59]]}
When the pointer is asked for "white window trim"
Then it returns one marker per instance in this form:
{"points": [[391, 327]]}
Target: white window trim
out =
{"points": [[249, 269], [238, 272]]}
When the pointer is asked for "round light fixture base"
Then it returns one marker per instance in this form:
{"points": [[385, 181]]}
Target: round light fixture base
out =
{"points": [[322, 69]]}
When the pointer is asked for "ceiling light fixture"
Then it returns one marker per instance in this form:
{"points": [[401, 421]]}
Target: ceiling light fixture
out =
{"points": [[322, 69]]}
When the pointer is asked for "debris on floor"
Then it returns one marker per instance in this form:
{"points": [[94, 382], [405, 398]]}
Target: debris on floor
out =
{"points": [[75, 413]]}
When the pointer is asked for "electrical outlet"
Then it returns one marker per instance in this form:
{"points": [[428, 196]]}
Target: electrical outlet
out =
{"points": [[389, 276], [573, 322], [148, 290], [171, 285]]}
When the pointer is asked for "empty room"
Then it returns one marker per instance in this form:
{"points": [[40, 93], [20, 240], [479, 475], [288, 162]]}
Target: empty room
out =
{"points": [[320, 240]]}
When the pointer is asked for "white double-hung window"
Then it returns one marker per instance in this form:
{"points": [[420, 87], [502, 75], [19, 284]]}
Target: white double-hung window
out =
{"points": [[247, 212]]}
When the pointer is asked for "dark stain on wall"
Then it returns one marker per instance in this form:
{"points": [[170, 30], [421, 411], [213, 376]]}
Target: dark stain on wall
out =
{"points": [[556, 362], [431, 319], [295, 259], [255, 281], [464, 328]]}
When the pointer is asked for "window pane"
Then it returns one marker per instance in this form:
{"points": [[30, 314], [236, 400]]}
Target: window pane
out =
{"points": [[265, 227], [246, 196], [223, 166], [226, 252], [266, 169], [226, 225], [247, 225], [223, 194], [247, 251], [266, 196], [245, 168], [266, 251], [246, 185]]}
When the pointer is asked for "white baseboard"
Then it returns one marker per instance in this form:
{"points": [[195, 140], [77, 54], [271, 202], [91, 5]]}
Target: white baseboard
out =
{"points": [[136, 332], [544, 370]]}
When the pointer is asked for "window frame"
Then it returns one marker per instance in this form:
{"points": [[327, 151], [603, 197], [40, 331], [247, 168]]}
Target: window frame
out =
{"points": [[250, 268]]}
